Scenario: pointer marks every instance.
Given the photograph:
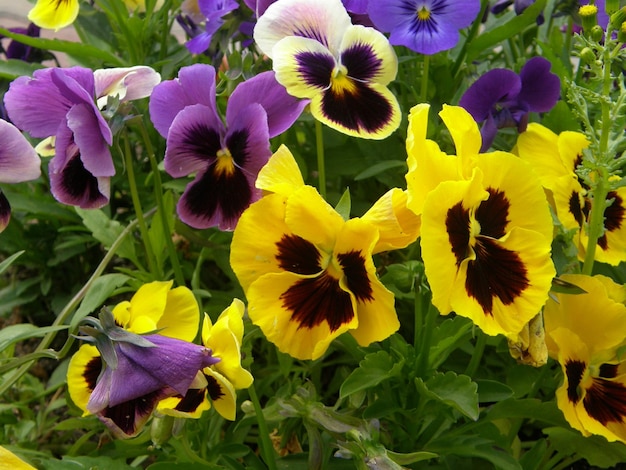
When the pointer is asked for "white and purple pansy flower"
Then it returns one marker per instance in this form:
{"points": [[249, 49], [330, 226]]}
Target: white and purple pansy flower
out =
{"points": [[63, 103], [344, 69], [424, 26], [224, 158], [501, 98]]}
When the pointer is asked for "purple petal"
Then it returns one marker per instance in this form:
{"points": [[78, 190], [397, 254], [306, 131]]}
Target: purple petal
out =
{"points": [[93, 146], [195, 85], [358, 7], [173, 363], [200, 43], [5, 211], [495, 86], [488, 133], [126, 419], [540, 88], [281, 108], [219, 196], [258, 6], [193, 141], [213, 9], [18, 159]]}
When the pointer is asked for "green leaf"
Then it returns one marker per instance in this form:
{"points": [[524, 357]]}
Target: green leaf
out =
{"points": [[595, 449], [406, 459], [379, 168], [344, 205], [456, 391], [106, 231], [7, 262], [100, 290], [87, 463], [12, 68], [491, 391], [528, 408], [533, 458], [373, 369], [447, 337], [474, 446], [13, 333], [75, 49], [511, 28], [157, 231]]}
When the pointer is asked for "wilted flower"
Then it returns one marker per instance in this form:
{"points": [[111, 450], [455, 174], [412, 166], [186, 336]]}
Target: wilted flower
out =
{"points": [[123, 378], [589, 348], [309, 274], [556, 158], [225, 159], [223, 378], [486, 226], [501, 98], [63, 103], [54, 14], [343, 68], [424, 26]]}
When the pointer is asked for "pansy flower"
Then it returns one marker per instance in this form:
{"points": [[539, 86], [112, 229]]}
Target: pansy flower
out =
{"points": [[555, 158], [21, 51], [18, 163], [62, 103], [501, 98], [593, 394], [124, 400], [213, 13], [54, 14], [486, 226], [343, 69], [424, 26], [518, 5], [223, 378], [224, 159], [309, 275]]}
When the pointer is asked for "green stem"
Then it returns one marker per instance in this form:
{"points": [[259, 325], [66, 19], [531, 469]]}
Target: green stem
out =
{"points": [[424, 83], [477, 354], [267, 450], [69, 308], [426, 334], [321, 167], [143, 228], [158, 194]]}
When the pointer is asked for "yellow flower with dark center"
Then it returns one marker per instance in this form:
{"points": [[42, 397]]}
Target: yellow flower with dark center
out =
{"points": [[224, 378], [555, 158], [309, 274], [155, 306], [585, 333], [54, 14], [486, 226]]}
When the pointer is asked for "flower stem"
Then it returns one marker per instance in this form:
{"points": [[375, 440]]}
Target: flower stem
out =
{"points": [[321, 168], [158, 194], [477, 354], [267, 450], [143, 228], [424, 84]]}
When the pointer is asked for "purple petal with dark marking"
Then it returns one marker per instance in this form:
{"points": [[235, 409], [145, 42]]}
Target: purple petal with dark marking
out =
{"points": [[195, 85], [193, 141], [281, 108], [496, 86], [361, 61], [5, 211], [93, 146], [316, 68]]}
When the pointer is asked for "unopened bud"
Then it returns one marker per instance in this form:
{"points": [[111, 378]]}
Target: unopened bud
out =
{"points": [[621, 33], [617, 19], [589, 17], [587, 55], [597, 33]]}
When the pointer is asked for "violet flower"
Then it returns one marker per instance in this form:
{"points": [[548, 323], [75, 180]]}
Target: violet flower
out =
{"points": [[21, 51], [424, 26], [501, 98], [225, 159], [213, 12], [62, 103], [518, 5], [18, 163]]}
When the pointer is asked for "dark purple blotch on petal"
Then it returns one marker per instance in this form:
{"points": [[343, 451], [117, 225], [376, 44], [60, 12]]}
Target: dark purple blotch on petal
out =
{"points": [[5, 211], [574, 371], [213, 388], [315, 68], [605, 401], [361, 62]]}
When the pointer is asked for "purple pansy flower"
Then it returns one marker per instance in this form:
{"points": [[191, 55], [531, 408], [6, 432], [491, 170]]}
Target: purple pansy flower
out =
{"points": [[21, 51], [63, 103], [518, 5], [213, 12], [18, 163], [501, 98], [424, 26], [225, 159]]}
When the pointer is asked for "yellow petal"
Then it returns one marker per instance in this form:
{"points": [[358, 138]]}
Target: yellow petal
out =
{"points": [[82, 372], [225, 346], [54, 14], [280, 174], [397, 226], [181, 316], [234, 314], [10, 461], [464, 131], [223, 395]]}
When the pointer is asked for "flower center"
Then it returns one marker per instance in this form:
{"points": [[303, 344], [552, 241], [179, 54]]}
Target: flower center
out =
{"points": [[423, 14], [224, 163], [340, 83]]}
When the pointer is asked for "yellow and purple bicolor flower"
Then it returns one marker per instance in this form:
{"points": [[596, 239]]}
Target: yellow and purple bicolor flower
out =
{"points": [[224, 159], [344, 69], [54, 14], [556, 158], [486, 226], [585, 333], [501, 98], [309, 275], [130, 369], [63, 103], [18, 163], [424, 26], [224, 338]]}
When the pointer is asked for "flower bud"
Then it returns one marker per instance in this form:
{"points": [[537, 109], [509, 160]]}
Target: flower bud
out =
{"points": [[589, 17], [587, 55], [597, 33], [611, 6], [617, 19], [621, 33]]}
